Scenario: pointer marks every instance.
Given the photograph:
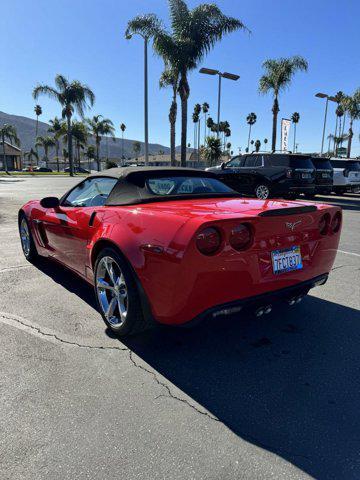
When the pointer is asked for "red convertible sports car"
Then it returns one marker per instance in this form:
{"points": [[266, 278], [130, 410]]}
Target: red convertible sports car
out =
{"points": [[174, 245]]}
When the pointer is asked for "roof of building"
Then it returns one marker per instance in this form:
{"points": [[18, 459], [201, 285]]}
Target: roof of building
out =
{"points": [[10, 149]]}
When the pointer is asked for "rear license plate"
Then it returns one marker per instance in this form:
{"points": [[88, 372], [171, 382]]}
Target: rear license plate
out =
{"points": [[325, 175], [286, 260], [306, 175]]}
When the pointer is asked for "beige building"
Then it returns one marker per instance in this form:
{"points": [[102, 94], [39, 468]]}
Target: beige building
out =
{"points": [[12, 156]]}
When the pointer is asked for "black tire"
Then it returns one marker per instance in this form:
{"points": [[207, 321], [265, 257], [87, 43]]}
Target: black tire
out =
{"points": [[136, 321], [261, 189], [30, 253]]}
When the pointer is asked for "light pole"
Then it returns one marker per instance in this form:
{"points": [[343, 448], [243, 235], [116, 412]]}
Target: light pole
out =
{"points": [[230, 76], [332, 99]]}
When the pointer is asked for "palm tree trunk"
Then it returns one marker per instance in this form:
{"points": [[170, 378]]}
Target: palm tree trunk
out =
{"points": [[4, 155], [36, 131], [336, 126], [248, 145], [57, 156], [351, 134], [70, 149], [46, 156], [122, 147], [205, 129], [294, 137], [98, 153], [184, 95], [275, 111], [172, 119], [199, 141]]}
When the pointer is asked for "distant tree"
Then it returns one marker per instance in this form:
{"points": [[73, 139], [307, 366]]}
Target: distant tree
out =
{"points": [[80, 134], [57, 129], [136, 146], [352, 107], [170, 78], [205, 109], [257, 145], [71, 96], [98, 127], [295, 117], [38, 112], [265, 142], [90, 154], [212, 151], [8, 132], [110, 164], [250, 120], [46, 143], [161, 152], [122, 128], [30, 155], [277, 77]]}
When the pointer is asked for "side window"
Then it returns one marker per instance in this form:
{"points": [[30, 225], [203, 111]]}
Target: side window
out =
{"points": [[250, 161], [258, 161], [234, 162], [93, 192]]}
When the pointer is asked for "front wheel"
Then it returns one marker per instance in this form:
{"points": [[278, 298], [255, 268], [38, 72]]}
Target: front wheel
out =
{"points": [[262, 191], [27, 241], [117, 294]]}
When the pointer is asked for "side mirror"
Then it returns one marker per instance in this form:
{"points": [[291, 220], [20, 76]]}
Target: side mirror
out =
{"points": [[223, 165], [50, 202]]}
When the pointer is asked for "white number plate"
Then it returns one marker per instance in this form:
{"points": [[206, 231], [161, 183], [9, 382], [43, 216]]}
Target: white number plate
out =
{"points": [[306, 175], [325, 175], [286, 260]]}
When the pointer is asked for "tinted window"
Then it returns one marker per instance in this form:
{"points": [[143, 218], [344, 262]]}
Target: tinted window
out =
{"points": [[293, 161], [234, 162], [352, 165], [91, 193], [186, 186], [321, 163], [250, 161], [258, 161]]}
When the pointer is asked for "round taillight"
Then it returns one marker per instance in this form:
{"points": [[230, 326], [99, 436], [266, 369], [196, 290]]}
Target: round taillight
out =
{"points": [[324, 224], [208, 241], [336, 222], [240, 237]]}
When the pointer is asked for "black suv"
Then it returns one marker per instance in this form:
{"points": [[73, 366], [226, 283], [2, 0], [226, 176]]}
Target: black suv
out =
{"points": [[268, 175], [324, 173]]}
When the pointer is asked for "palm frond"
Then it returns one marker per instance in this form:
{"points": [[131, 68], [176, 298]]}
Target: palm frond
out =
{"points": [[45, 90], [146, 25]]}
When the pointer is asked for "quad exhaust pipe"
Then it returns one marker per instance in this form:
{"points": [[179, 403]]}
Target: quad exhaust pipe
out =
{"points": [[263, 310], [296, 299]]}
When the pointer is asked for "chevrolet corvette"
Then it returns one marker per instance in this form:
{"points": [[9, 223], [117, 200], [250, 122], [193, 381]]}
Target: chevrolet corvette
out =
{"points": [[175, 245]]}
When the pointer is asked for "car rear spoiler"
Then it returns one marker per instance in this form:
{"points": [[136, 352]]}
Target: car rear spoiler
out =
{"points": [[280, 212]]}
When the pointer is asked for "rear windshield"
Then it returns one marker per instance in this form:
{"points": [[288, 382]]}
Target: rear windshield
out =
{"points": [[186, 186], [348, 164], [293, 161], [322, 163]]}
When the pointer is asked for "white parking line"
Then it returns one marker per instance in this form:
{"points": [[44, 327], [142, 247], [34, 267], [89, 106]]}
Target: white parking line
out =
{"points": [[349, 253]]}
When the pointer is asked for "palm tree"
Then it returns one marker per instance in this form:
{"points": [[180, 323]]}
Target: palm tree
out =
{"points": [[99, 126], [205, 108], [339, 112], [38, 112], [136, 146], [193, 34], [352, 106], [212, 150], [108, 131], [337, 141], [257, 145], [90, 154], [71, 96], [79, 135], [8, 132], [30, 155], [57, 129], [46, 143], [265, 142], [295, 117], [250, 120], [170, 78], [122, 128], [277, 77]]}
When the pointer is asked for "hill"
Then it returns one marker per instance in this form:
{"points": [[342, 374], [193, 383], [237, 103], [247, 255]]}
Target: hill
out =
{"points": [[26, 128]]}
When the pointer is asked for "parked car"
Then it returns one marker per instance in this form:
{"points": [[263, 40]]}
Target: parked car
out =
{"points": [[42, 169], [174, 245], [267, 175], [346, 175], [323, 175], [77, 170]]}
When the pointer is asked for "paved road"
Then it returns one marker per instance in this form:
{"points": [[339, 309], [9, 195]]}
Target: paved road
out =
{"points": [[273, 398]]}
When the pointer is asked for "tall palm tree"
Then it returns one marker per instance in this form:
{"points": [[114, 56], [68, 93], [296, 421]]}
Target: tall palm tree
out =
{"points": [[170, 78], [277, 77], [352, 106], [46, 143], [57, 129], [8, 132], [257, 145], [72, 96], [30, 155], [38, 112], [193, 34], [99, 127], [250, 120], [339, 112], [108, 131], [212, 150], [79, 135], [205, 109], [295, 117], [122, 128]]}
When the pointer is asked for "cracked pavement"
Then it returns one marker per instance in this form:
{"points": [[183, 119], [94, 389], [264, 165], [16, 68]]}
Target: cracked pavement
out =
{"points": [[237, 398]]}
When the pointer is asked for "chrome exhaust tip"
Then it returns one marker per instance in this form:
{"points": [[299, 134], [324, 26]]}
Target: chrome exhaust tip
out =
{"points": [[260, 311], [268, 309], [299, 298], [292, 301]]}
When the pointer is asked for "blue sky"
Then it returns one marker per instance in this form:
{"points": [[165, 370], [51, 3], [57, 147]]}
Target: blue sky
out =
{"points": [[84, 40]]}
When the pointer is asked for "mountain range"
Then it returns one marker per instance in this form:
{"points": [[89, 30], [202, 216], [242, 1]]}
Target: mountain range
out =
{"points": [[26, 130]]}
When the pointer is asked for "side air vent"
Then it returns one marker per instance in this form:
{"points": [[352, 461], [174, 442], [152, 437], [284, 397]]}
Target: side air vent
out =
{"points": [[281, 212]]}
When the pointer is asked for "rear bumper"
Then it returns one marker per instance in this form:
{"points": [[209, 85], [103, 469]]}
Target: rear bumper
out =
{"points": [[303, 189], [264, 300]]}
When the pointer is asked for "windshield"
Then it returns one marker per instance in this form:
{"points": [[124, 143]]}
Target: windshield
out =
{"points": [[348, 164], [292, 161], [322, 163], [186, 186]]}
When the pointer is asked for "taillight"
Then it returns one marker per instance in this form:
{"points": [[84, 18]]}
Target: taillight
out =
{"points": [[336, 222], [208, 241], [324, 224], [241, 237], [289, 173]]}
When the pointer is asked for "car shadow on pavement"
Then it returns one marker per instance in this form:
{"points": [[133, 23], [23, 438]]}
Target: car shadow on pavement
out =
{"points": [[288, 383]]}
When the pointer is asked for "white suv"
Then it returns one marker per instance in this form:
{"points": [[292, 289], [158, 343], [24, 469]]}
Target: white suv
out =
{"points": [[346, 175]]}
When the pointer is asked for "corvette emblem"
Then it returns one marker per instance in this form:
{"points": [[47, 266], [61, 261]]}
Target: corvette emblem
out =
{"points": [[292, 225]]}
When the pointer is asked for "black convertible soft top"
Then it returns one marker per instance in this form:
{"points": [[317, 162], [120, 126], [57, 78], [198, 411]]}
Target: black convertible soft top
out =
{"points": [[131, 185]]}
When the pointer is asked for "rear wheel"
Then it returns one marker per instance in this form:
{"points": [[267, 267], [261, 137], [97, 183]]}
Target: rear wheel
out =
{"points": [[117, 294], [262, 191], [27, 241]]}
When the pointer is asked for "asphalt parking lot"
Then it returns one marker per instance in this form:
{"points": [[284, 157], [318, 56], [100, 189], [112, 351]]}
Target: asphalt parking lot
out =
{"points": [[277, 397]]}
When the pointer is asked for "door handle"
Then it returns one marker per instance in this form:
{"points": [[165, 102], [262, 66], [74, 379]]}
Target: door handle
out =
{"points": [[92, 218]]}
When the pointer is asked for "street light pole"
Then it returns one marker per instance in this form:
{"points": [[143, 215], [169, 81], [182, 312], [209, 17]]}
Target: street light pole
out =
{"points": [[328, 97], [218, 112], [146, 121]]}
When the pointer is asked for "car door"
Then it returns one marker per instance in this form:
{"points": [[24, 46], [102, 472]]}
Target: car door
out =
{"points": [[253, 166], [69, 227], [234, 176]]}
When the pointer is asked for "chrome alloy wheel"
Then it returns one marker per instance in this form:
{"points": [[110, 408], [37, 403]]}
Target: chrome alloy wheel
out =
{"points": [[112, 292], [262, 192], [25, 236]]}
